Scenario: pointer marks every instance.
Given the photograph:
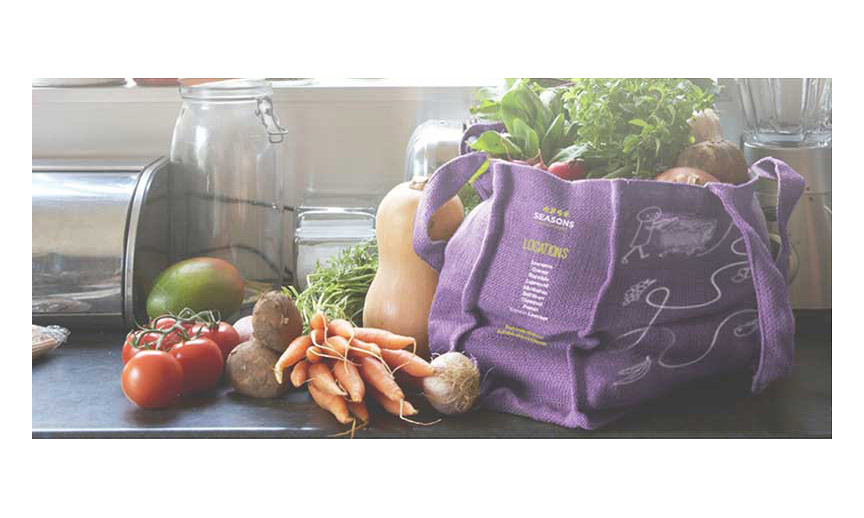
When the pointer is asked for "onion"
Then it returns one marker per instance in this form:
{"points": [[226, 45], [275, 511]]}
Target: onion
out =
{"points": [[244, 328], [454, 387]]}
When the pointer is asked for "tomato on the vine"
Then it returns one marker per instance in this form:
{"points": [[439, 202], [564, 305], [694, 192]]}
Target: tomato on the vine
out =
{"points": [[223, 333], [129, 349], [152, 379], [202, 363], [168, 321], [143, 340]]}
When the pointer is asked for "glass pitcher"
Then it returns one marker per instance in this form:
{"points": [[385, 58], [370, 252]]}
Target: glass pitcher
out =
{"points": [[786, 112], [227, 195]]}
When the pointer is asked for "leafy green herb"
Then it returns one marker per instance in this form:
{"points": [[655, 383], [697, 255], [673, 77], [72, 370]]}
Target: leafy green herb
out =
{"points": [[339, 287], [633, 127], [637, 127], [537, 124]]}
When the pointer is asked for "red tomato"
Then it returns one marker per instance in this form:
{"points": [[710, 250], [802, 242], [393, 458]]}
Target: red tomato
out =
{"points": [[152, 379], [129, 350], [225, 336], [140, 340], [202, 363]]}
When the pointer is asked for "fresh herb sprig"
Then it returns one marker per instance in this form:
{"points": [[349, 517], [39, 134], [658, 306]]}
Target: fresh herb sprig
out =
{"points": [[633, 127], [339, 287]]}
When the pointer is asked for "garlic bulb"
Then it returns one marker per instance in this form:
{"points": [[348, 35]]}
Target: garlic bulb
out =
{"points": [[454, 387]]}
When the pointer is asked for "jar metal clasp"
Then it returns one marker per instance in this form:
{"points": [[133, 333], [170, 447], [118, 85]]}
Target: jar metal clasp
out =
{"points": [[264, 112]]}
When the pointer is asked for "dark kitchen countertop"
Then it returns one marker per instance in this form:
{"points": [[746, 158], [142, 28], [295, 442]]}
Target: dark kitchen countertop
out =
{"points": [[76, 393]]}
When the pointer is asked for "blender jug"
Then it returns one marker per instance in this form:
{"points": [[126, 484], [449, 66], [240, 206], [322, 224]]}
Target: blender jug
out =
{"points": [[790, 119], [786, 112]]}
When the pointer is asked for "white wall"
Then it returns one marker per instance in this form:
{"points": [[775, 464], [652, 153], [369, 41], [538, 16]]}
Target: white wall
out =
{"points": [[346, 137]]}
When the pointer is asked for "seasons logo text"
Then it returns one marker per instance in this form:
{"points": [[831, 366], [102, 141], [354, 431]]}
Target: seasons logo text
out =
{"points": [[554, 217]]}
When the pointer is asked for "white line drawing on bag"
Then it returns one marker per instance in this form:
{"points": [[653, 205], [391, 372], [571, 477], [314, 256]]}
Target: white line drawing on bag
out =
{"points": [[719, 242], [749, 325], [634, 293], [665, 235], [648, 219], [685, 235], [742, 275], [747, 328], [639, 370], [734, 245], [634, 373], [670, 335], [666, 294]]}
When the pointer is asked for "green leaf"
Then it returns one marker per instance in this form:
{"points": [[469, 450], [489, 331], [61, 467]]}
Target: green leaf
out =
{"points": [[497, 145], [542, 117], [568, 154], [635, 123], [551, 99], [630, 142], [479, 172], [487, 108], [515, 106], [554, 138], [639, 123], [526, 138], [572, 133]]}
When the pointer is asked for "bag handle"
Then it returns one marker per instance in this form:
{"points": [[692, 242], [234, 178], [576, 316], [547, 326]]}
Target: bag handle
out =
{"points": [[790, 187], [776, 322], [442, 185]]}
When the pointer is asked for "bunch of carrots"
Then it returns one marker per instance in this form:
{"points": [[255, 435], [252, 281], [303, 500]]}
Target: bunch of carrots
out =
{"points": [[342, 364]]}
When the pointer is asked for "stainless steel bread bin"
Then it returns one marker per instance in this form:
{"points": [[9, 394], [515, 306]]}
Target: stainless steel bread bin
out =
{"points": [[100, 236]]}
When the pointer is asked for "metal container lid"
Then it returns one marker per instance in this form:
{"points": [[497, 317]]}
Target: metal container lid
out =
{"points": [[433, 143]]}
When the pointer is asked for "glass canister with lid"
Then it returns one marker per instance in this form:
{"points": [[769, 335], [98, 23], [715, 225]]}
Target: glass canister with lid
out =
{"points": [[226, 192]]}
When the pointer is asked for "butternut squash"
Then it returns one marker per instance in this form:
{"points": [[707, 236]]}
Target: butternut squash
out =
{"points": [[401, 293]]}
